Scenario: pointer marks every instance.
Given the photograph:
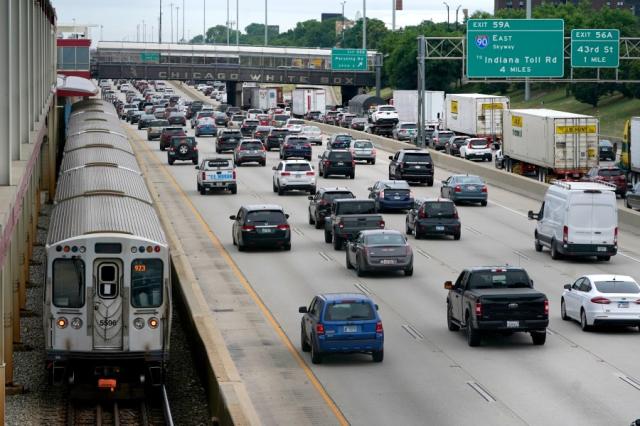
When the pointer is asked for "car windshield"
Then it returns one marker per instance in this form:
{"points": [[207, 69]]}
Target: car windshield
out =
{"points": [[205, 114], [459, 141], [159, 123], [388, 239], [280, 117], [349, 311], [298, 167], [235, 134], [438, 208], [389, 108], [266, 217], [279, 132], [417, 158], [362, 144], [340, 156], [177, 114], [610, 172], [409, 126], [310, 129], [357, 208], [499, 279], [291, 121], [478, 143], [396, 184], [628, 287], [179, 140], [251, 145], [330, 196], [340, 138], [206, 120], [218, 162], [292, 141], [237, 118], [359, 120], [251, 122], [468, 180], [172, 131]]}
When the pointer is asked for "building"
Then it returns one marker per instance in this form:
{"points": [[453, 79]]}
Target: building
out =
{"points": [[633, 5], [73, 50]]}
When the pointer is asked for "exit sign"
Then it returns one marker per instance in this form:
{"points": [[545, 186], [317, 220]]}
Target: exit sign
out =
{"points": [[591, 48]]}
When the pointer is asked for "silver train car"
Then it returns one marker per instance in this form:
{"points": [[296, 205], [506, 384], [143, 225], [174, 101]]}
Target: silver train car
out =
{"points": [[107, 299]]}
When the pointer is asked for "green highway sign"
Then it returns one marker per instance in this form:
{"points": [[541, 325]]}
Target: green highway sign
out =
{"points": [[515, 48], [149, 56], [595, 48], [349, 59]]}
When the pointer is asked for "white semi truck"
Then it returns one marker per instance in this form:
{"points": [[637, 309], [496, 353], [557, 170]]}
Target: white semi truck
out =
{"points": [[476, 115], [305, 100], [406, 103]]}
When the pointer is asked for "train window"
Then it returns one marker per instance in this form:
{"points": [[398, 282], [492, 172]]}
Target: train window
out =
{"points": [[146, 283], [68, 283], [108, 280]]}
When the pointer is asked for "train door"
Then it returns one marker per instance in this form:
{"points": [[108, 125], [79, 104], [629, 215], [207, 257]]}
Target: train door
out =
{"points": [[107, 304]]}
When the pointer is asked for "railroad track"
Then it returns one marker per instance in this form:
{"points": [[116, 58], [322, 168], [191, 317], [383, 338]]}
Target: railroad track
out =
{"points": [[153, 410]]}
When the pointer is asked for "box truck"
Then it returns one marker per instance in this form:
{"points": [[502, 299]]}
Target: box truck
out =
{"points": [[308, 99], [630, 155], [549, 144], [406, 103], [476, 115]]}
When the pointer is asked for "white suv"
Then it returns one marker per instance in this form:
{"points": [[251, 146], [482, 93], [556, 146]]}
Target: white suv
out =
{"points": [[294, 174], [476, 148]]}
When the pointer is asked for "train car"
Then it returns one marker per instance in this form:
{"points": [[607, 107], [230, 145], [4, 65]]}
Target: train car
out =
{"points": [[107, 302]]}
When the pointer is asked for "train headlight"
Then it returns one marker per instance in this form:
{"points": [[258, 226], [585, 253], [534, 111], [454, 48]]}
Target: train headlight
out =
{"points": [[76, 323], [153, 322], [138, 323], [61, 322]]}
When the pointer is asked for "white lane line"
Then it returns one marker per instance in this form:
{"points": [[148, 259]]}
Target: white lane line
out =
{"points": [[628, 257], [298, 231], [325, 256], [628, 380], [423, 253], [472, 229], [521, 255], [363, 288], [508, 209], [412, 331], [481, 391]]}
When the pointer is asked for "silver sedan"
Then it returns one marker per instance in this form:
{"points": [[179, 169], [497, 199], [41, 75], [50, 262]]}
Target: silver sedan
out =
{"points": [[379, 250]]}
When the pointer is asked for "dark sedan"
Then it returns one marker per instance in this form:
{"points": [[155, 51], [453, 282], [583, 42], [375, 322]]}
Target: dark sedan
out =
{"points": [[433, 217], [145, 120], [275, 138], [453, 146], [261, 226], [379, 250], [391, 195], [468, 188], [633, 197]]}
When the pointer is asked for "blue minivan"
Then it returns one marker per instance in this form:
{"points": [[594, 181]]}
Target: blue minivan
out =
{"points": [[341, 323]]}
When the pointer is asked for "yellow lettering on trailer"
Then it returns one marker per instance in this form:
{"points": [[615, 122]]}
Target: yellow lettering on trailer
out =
{"points": [[454, 107], [566, 130], [492, 106], [516, 121]]}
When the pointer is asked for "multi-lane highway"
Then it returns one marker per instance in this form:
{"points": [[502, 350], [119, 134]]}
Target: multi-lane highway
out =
{"points": [[429, 374]]}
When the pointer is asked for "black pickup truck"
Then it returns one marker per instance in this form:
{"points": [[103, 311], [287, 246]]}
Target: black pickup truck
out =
{"points": [[348, 218], [499, 300]]}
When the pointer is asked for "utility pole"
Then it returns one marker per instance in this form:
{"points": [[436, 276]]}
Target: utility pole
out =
{"points": [[160, 24], [364, 24], [421, 84], [343, 2], [527, 85], [393, 15], [177, 14], [183, 10], [445, 3], [171, 22], [266, 35], [204, 23], [237, 22]]}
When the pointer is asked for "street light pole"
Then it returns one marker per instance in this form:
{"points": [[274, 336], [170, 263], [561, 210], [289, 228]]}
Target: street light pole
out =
{"points": [[171, 22], [266, 36], [177, 14], [343, 2], [457, 9], [393, 15], [144, 32], [204, 22], [228, 29], [183, 10], [237, 22], [160, 24], [364, 24], [138, 33], [445, 3]]}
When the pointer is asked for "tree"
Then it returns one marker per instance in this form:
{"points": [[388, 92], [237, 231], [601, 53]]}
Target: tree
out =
{"points": [[376, 32]]}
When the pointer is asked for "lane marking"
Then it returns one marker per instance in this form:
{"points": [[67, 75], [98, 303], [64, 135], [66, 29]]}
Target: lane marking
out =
{"points": [[521, 255], [325, 256], [298, 231], [423, 253], [481, 391], [363, 288], [509, 209], [412, 331], [247, 286], [472, 229], [628, 257], [629, 380]]}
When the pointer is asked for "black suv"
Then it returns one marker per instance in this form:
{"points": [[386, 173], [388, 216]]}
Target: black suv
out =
{"points": [[183, 148], [194, 108], [433, 217], [228, 140], [340, 141], [412, 165], [261, 225], [275, 138], [337, 162], [320, 204]]}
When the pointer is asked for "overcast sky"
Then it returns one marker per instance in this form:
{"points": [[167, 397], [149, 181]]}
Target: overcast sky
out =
{"points": [[120, 18]]}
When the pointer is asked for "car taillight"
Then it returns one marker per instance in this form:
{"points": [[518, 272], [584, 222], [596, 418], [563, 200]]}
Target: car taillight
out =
{"points": [[353, 163], [204, 175], [234, 174], [478, 309], [307, 145], [565, 234], [323, 202], [600, 300], [248, 228], [381, 224], [373, 151], [311, 173], [637, 302], [381, 193], [319, 328], [195, 148], [285, 174], [546, 307], [327, 162], [615, 236], [484, 188], [422, 214], [407, 250], [458, 188], [341, 225], [283, 227], [455, 213], [379, 328]]}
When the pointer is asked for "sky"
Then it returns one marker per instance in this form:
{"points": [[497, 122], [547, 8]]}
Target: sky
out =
{"points": [[120, 18]]}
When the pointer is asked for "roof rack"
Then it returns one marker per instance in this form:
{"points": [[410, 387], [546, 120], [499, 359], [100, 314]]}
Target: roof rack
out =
{"points": [[567, 184]]}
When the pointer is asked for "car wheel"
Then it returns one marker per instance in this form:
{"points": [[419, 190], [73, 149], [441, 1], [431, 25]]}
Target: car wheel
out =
{"points": [[316, 356], [161, 147], [337, 242], [195, 161], [347, 262], [171, 162], [280, 190], [555, 255], [627, 204], [408, 272], [483, 203], [450, 324], [312, 221], [241, 246], [312, 190], [378, 356], [456, 236], [539, 337], [474, 338], [583, 321], [536, 244], [263, 163], [327, 236], [352, 175], [304, 345], [604, 258], [203, 191], [358, 266], [408, 230], [373, 161], [234, 189], [287, 247], [563, 311], [275, 188], [430, 182]]}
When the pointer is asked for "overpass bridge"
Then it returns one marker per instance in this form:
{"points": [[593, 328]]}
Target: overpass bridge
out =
{"points": [[233, 64]]}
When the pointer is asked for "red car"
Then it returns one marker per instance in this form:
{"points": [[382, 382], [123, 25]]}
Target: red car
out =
{"points": [[609, 174]]}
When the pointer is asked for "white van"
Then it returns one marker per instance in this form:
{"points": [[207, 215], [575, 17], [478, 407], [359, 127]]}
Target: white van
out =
{"points": [[578, 219]]}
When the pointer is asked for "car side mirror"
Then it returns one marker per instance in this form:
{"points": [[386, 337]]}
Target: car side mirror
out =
{"points": [[286, 215], [370, 188], [567, 287], [391, 157], [377, 307], [302, 309], [197, 167], [310, 198], [232, 217], [444, 182], [448, 285]]}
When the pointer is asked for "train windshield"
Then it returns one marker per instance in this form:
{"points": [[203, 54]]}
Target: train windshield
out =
{"points": [[146, 283], [68, 283]]}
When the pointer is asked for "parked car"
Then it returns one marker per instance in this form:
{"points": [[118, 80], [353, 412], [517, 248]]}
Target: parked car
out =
{"points": [[412, 165], [363, 150], [476, 148], [391, 195], [228, 140], [206, 126], [177, 118], [154, 129], [275, 138], [379, 250], [320, 203], [439, 138], [577, 219], [261, 225], [216, 174], [250, 151], [609, 174], [183, 148], [496, 299], [313, 134], [633, 197], [358, 123], [339, 141], [341, 323], [453, 146], [291, 175], [467, 188], [295, 146], [167, 134], [433, 217], [606, 150], [337, 162], [602, 300], [405, 131]]}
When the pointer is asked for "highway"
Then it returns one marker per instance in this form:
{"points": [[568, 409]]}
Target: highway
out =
{"points": [[430, 375]]}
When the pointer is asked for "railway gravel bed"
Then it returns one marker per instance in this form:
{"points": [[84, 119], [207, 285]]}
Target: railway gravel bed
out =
{"points": [[41, 403]]}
